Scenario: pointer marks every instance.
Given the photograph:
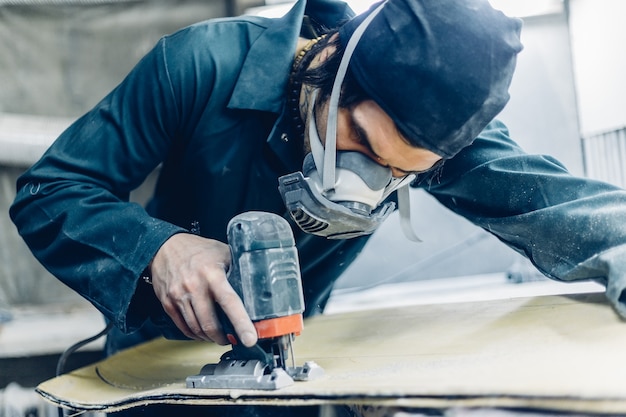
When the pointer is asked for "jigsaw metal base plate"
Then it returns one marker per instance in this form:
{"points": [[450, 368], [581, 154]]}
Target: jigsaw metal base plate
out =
{"points": [[251, 374]]}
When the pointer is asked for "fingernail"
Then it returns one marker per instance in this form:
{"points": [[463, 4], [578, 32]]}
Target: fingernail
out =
{"points": [[248, 338]]}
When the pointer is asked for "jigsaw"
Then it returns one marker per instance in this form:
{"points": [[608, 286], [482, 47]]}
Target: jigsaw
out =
{"points": [[265, 272]]}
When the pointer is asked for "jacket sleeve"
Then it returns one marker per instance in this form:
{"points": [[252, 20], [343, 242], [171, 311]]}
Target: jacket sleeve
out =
{"points": [[570, 228], [72, 206]]}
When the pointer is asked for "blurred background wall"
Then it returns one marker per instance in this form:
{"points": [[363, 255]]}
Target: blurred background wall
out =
{"points": [[57, 59]]}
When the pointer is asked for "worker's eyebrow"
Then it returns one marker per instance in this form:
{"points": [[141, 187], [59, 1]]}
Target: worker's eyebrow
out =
{"points": [[364, 140]]}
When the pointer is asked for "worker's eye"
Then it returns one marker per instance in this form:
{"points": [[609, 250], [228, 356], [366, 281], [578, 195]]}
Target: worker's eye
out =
{"points": [[360, 137]]}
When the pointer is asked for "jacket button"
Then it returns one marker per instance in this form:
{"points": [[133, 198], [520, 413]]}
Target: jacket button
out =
{"points": [[284, 137]]}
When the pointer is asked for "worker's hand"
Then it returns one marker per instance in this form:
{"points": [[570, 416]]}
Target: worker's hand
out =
{"points": [[189, 278]]}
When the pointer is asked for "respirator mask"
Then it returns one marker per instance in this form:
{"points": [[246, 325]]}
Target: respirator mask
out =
{"points": [[340, 195]]}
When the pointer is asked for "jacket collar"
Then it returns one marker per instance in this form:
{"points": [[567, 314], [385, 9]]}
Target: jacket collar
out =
{"points": [[262, 82], [268, 63]]}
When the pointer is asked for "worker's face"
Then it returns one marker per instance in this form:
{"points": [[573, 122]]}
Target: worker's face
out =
{"points": [[367, 129]]}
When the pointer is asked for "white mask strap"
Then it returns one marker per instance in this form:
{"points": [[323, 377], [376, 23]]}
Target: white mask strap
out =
{"points": [[317, 149], [396, 183], [330, 155], [325, 157], [404, 204], [404, 209]]}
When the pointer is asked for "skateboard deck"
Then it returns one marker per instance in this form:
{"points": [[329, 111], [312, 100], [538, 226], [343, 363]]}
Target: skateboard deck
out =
{"points": [[562, 353]]}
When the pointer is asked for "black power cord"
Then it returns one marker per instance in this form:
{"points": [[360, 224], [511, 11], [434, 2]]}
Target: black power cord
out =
{"points": [[70, 350]]}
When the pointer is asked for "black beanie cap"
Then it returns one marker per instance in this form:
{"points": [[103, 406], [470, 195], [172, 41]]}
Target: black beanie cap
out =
{"points": [[440, 69]]}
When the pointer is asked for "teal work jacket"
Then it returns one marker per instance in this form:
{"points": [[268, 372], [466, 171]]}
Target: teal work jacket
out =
{"points": [[207, 106]]}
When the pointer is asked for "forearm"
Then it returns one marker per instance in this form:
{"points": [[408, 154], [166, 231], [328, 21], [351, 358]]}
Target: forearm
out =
{"points": [[571, 228], [94, 243], [72, 206]]}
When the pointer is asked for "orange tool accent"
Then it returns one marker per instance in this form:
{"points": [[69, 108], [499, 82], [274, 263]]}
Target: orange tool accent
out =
{"points": [[231, 339], [279, 326]]}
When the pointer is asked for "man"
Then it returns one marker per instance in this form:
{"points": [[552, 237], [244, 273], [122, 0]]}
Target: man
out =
{"points": [[225, 111]]}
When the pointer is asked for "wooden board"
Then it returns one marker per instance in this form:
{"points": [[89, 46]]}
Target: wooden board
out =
{"points": [[553, 353]]}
